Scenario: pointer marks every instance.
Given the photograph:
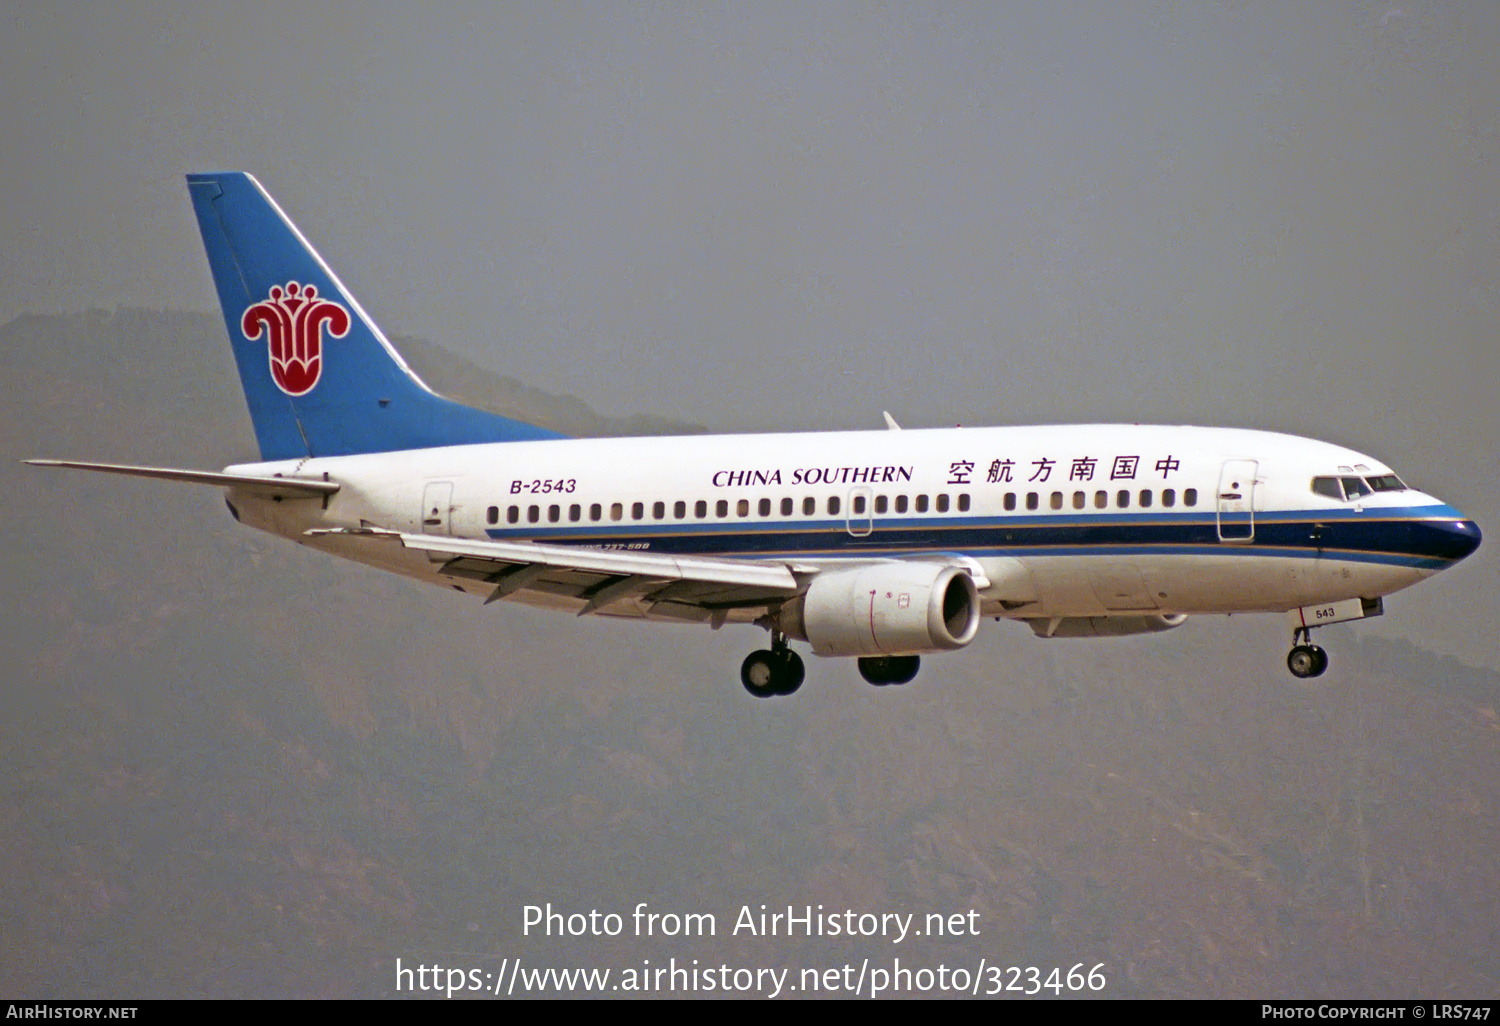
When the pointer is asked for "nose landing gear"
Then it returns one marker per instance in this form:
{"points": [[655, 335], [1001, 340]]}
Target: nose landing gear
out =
{"points": [[1305, 658]]}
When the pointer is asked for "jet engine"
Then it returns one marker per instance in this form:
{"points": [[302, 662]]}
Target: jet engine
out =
{"points": [[896, 608]]}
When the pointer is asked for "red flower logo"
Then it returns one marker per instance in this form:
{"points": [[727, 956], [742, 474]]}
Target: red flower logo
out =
{"points": [[293, 319]]}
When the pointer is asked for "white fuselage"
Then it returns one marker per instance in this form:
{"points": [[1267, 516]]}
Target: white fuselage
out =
{"points": [[1069, 521]]}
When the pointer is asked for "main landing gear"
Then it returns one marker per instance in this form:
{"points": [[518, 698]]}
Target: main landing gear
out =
{"points": [[777, 672], [883, 670], [1306, 659]]}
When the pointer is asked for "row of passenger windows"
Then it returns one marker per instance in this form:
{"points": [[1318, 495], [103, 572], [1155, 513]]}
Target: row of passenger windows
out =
{"points": [[1144, 500], [858, 506], [721, 508]]}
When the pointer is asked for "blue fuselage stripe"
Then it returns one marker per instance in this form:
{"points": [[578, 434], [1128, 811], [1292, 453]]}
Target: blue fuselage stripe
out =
{"points": [[1427, 540]]}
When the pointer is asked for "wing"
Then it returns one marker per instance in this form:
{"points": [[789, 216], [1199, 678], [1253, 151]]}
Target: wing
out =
{"points": [[607, 582]]}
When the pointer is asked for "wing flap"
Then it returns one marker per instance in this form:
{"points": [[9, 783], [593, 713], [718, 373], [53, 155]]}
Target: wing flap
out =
{"points": [[607, 582]]}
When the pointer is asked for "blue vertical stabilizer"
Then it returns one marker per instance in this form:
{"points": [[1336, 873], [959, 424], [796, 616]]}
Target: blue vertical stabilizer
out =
{"points": [[320, 378]]}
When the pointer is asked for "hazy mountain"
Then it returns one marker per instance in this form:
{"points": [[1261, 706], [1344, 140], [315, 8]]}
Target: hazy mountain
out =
{"points": [[238, 767], [466, 381]]}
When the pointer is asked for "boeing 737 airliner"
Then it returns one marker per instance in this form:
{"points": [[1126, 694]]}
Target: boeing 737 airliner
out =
{"points": [[880, 545]]}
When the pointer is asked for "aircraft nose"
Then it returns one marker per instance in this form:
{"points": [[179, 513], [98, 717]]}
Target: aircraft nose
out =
{"points": [[1470, 532], [1460, 537]]}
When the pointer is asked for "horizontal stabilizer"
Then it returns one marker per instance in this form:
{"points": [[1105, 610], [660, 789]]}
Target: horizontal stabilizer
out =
{"points": [[282, 486]]}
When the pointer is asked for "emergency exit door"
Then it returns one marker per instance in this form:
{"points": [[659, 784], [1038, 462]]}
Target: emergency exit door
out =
{"points": [[437, 508]]}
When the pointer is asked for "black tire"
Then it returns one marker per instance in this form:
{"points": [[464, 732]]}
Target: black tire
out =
{"points": [[883, 670], [1303, 661], [1322, 661], [790, 673], [903, 669], [759, 673]]}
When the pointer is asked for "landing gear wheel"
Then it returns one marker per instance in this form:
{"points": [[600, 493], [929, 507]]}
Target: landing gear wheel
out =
{"points": [[1322, 658], [791, 671], [777, 672], [1307, 661], [904, 668], [758, 674], [883, 670]]}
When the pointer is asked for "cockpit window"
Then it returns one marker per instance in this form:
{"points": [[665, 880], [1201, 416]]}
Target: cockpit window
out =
{"points": [[1328, 487], [1351, 488]]}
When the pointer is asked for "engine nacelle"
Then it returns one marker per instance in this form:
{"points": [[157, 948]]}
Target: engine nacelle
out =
{"points": [[1104, 626], [885, 609]]}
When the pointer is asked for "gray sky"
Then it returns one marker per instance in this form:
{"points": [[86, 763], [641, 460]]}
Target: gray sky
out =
{"points": [[753, 217]]}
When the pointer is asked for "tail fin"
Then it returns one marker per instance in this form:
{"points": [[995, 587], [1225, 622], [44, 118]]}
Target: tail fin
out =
{"points": [[320, 378]]}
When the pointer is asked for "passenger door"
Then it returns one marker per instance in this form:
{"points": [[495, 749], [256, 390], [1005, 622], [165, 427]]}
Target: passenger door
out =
{"points": [[1236, 501]]}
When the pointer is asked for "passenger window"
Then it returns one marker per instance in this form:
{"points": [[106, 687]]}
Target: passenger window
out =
{"points": [[765, 507], [700, 508], [1145, 497], [595, 511], [742, 508], [1057, 500], [658, 510], [880, 504], [1190, 497], [1101, 500], [493, 515], [901, 504], [1078, 500], [554, 514], [786, 506], [921, 504], [1328, 487], [963, 502], [575, 513], [833, 505], [721, 508], [637, 510], [809, 506], [513, 515], [857, 505], [679, 510], [616, 511], [1010, 501], [942, 503], [533, 514], [1122, 499], [1168, 497], [1032, 500]]}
